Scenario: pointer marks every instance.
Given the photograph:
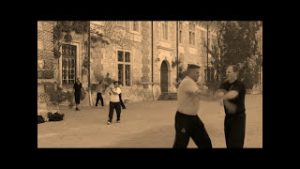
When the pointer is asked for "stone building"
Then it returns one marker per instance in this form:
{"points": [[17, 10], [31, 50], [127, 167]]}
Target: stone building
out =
{"points": [[143, 55], [146, 57]]}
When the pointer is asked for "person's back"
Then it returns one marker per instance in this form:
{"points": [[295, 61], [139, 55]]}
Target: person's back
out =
{"points": [[100, 91]]}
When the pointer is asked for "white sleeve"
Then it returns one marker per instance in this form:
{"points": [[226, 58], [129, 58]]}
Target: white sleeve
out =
{"points": [[190, 87], [118, 90]]}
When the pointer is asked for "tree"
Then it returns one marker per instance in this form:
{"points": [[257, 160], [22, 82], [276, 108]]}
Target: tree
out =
{"points": [[238, 44], [213, 50]]}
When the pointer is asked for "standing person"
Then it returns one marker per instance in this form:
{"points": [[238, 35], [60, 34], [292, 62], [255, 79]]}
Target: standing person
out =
{"points": [[100, 90], [120, 97], [233, 92], [77, 92], [187, 122], [114, 102]]}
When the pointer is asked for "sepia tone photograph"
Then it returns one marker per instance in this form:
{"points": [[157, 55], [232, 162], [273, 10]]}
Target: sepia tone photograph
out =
{"points": [[150, 84]]}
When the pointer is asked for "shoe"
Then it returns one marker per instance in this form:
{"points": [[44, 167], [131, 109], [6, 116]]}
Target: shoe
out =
{"points": [[118, 121], [108, 123], [77, 108]]}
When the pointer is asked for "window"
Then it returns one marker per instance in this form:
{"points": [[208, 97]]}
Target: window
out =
{"points": [[192, 34], [180, 32], [68, 64], [165, 30], [209, 74], [135, 26], [124, 75]]}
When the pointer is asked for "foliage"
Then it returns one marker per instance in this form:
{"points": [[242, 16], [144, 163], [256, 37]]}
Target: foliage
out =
{"points": [[237, 45], [68, 37], [80, 27], [46, 74], [117, 34], [98, 37], [85, 64], [57, 95]]}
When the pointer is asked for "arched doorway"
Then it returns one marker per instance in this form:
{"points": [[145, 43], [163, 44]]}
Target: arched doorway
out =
{"points": [[164, 77]]}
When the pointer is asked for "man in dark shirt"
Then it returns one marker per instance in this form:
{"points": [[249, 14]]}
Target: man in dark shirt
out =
{"points": [[233, 94], [77, 92]]}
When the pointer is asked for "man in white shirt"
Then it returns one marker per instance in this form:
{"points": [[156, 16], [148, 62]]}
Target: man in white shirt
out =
{"points": [[114, 102], [187, 122]]}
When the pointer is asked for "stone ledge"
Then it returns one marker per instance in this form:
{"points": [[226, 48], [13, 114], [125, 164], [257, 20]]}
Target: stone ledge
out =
{"points": [[46, 80]]}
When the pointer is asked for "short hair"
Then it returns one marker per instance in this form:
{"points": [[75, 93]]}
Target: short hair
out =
{"points": [[115, 82], [193, 66], [235, 68]]}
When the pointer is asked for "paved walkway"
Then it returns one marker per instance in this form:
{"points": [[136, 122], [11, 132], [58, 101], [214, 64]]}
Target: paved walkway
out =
{"points": [[143, 125]]}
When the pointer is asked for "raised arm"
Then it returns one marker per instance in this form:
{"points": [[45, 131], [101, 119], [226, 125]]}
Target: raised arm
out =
{"points": [[226, 95]]}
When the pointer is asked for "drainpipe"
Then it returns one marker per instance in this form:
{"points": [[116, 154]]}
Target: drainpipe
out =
{"points": [[89, 63], [207, 52], [152, 80], [177, 52]]}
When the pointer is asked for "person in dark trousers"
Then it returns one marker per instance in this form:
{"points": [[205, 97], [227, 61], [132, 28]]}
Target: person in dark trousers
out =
{"points": [[120, 96], [233, 92], [100, 89], [77, 92], [187, 122], [114, 103]]}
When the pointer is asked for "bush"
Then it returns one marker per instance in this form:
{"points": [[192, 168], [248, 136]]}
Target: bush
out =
{"points": [[45, 74], [48, 74]]}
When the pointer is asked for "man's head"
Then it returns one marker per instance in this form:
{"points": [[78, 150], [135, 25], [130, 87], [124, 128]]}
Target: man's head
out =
{"points": [[232, 73], [193, 71], [116, 84]]}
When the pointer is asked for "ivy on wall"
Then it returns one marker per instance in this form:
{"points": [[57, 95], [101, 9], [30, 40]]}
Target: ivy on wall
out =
{"points": [[63, 29]]}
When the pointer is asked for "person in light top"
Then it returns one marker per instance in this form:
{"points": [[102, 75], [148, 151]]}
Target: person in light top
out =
{"points": [[114, 103]]}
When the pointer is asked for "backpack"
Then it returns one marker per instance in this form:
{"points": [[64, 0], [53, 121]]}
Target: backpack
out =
{"points": [[55, 116], [40, 119]]}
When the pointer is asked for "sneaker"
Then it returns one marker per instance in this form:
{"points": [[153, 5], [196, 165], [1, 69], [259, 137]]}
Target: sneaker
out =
{"points": [[108, 123]]}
